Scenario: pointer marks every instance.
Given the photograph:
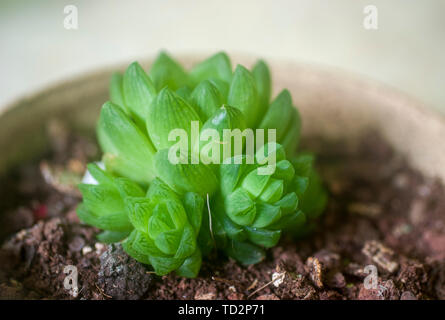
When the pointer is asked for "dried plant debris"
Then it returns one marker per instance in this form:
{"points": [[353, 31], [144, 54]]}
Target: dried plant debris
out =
{"points": [[381, 255], [64, 180], [315, 271]]}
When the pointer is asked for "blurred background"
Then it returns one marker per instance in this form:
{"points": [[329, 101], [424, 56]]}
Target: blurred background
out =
{"points": [[407, 51]]}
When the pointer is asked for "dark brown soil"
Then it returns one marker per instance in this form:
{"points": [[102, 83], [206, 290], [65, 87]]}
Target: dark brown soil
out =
{"points": [[380, 213]]}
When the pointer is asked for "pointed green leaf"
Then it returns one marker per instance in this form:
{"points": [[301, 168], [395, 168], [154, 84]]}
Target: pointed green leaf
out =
{"points": [[101, 199], [261, 74], [270, 150], [255, 183], [177, 212], [186, 177], [168, 241], [112, 236], [224, 118], [185, 93], [128, 188], [85, 215], [231, 172], [167, 72], [165, 265], [273, 191], [128, 246], [292, 136], [299, 185], [160, 221], [303, 163], [262, 237], [207, 99], [222, 86], [194, 205], [139, 210], [217, 66], [100, 175], [290, 221], [115, 221], [232, 230], [245, 252], [139, 92], [240, 207], [243, 95], [190, 267], [266, 214], [279, 115], [169, 112], [132, 160], [116, 90], [144, 244], [160, 191], [288, 203], [284, 170], [314, 200], [187, 243]]}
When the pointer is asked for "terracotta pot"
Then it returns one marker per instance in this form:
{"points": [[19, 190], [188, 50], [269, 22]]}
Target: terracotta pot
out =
{"points": [[333, 104]]}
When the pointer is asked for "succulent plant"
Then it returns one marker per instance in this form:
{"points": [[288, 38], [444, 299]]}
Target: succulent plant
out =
{"points": [[157, 207]]}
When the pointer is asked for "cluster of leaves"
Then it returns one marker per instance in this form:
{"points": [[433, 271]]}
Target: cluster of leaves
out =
{"points": [[158, 209]]}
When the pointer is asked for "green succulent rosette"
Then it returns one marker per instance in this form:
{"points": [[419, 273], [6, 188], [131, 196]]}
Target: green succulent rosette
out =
{"points": [[166, 227], [103, 205], [156, 207], [251, 210], [160, 227]]}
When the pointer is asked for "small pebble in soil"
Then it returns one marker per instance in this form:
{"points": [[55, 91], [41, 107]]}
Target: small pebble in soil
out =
{"points": [[120, 276], [277, 278]]}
